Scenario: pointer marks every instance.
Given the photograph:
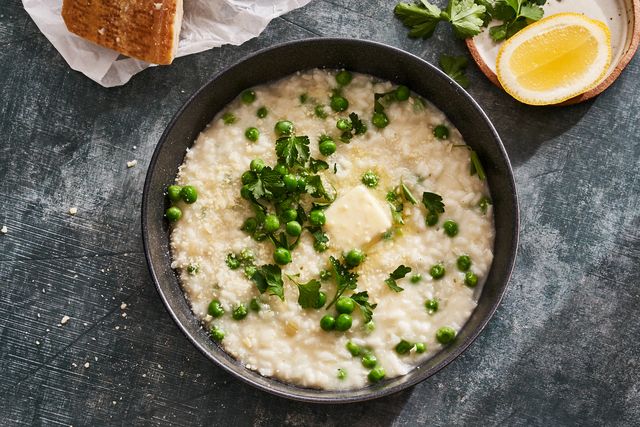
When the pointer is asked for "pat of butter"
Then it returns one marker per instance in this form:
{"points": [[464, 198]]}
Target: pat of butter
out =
{"points": [[356, 218]]}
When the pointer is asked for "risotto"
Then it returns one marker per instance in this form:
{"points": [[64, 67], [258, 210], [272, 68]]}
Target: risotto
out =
{"points": [[331, 229]]}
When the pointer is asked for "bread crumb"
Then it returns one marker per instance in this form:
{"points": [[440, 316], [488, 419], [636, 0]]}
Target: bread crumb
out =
{"points": [[64, 320], [132, 163], [123, 306], [74, 365], [101, 31], [158, 6], [117, 39], [86, 365], [73, 210], [124, 314], [3, 230], [37, 342]]}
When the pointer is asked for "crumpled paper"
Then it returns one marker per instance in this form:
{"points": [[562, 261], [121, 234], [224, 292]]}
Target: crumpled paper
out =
{"points": [[206, 24]]}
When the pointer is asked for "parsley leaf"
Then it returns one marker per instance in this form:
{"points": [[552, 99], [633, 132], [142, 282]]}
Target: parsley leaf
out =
{"points": [[397, 274], [345, 279], [269, 278], [293, 150], [466, 17], [320, 240], [515, 15], [308, 293], [317, 165], [382, 100], [315, 187], [421, 18], [358, 125], [366, 308], [455, 67], [267, 184], [433, 202]]}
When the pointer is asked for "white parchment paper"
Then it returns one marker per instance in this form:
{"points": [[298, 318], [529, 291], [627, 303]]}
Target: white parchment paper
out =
{"points": [[206, 24]]}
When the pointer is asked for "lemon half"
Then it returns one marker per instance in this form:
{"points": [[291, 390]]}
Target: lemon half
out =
{"points": [[554, 59]]}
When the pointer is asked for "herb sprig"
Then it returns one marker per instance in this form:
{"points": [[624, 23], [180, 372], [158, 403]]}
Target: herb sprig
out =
{"points": [[397, 274]]}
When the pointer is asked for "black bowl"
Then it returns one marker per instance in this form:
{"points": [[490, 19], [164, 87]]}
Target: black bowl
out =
{"points": [[362, 56]]}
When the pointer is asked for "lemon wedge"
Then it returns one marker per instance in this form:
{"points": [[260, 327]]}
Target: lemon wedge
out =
{"points": [[554, 59]]}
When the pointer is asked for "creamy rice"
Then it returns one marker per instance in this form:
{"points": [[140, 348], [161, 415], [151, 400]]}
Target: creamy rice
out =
{"points": [[284, 340]]}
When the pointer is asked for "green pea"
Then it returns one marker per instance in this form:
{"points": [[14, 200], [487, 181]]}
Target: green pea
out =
{"points": [[402, 93], [441, 132], [281, 169], [282, 256], [376, 374], [246, 193], [322, 299], [470, 279], [450, 228], [250, 270], [339, 103], [483, 204], [327, 147], [189, 194], [343, 322], [431, 305], [445, 334], [228, 118], [290, 182], [421, 347], [328, 322], [345, 305], [325, 275], [248, 96], [250, 225], [319, 112], [431, 219], [284, 128], [257, 165], [354, 258], [232, 261], [380, 120], [173, 213], [416, 278], [437, 271], [370, 179], [344, 125], [239, 312], [249, 177], [293, 228], [342, 374], [254, 304], [215, 308], [463, 262], [217, 334], [193, 269], [173, 192], [353, 348], [271, 223], [343, 78], [317, 217], [262, 112], [252, 134], [404, 347], [369, 360]]}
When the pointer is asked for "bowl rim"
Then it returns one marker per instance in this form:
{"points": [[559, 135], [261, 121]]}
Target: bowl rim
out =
{"points": [[375, 392]]}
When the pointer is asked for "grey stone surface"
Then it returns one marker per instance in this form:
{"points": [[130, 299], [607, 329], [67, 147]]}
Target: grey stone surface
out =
{"points": [[562, 349]]}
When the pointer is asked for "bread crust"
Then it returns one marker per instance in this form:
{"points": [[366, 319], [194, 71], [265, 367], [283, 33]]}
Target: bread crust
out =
{"points": [[142, 29]]}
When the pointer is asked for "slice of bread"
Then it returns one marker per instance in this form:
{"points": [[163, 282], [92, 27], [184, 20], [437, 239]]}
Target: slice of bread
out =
{"points": [[142, 29]]}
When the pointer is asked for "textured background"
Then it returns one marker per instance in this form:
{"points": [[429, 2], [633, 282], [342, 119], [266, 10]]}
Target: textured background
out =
{"points": [[563, 347]]}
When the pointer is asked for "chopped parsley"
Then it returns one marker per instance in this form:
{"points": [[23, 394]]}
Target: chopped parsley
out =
{"points": [[292, 150], [366, 308], [269, 278], [308, 293], [433, 203], [344, 278], [397, 274]]}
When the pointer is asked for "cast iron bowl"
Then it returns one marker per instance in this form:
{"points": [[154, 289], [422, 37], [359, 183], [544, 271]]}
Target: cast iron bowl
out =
{"points": [[366, 57]]}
